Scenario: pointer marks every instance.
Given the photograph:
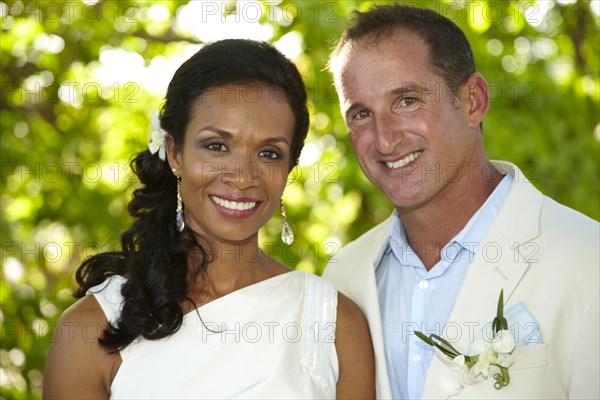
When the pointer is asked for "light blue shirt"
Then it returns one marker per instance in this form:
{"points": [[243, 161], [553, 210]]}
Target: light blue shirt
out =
{"points": [[412, 298]]}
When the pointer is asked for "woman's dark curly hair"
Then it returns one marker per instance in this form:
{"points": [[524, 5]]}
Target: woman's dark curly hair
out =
{"points": [[154, 255]]}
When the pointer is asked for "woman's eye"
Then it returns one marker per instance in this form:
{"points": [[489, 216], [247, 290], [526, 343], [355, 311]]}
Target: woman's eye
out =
{"points": [[216, 146], [270, 154]]}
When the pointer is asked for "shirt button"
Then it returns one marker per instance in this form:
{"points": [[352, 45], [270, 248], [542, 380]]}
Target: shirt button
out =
{"points": [[424, 284], [416, 358]]}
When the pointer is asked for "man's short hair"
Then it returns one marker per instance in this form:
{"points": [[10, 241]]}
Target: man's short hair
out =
{"points": [[449, 50]]}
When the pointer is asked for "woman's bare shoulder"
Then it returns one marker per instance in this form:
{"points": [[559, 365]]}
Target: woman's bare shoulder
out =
{"points": [[77, 366], [349, 312], [85, 309]]}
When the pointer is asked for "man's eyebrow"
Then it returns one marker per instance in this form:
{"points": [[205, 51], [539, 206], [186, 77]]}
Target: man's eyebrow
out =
{"points": [[411, 88]]}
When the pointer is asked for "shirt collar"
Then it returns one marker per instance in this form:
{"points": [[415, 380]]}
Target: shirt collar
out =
{"points": [[469, 238], [473, 233]]}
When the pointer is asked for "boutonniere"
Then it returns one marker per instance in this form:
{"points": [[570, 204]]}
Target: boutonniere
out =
{"points": [[491, 349]]}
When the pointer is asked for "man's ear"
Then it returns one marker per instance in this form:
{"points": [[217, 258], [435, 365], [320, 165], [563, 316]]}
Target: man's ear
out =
{"points": [[173, 155], [478, 98]]}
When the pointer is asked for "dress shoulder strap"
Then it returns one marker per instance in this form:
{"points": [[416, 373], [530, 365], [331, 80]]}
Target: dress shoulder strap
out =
{"points": [[108, 295], [319, 322]]}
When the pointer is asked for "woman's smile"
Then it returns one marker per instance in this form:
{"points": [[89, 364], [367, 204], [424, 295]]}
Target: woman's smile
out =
{"points": [[235, 208]]}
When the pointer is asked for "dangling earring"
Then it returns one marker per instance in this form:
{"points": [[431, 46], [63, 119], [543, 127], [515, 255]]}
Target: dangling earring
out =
{"points": [[287, 235], [179, 223]]}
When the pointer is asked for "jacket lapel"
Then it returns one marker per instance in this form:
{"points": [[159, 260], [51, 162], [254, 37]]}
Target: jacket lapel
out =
{"points": [[365, 293], [499, 264]]}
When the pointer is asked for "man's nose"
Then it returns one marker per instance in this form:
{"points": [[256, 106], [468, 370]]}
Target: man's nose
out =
{"points": [[388, 133]]}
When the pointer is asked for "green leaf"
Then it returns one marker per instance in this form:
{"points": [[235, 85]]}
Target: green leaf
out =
{"points": [[445, 346], [500, 312], [500, 322], [424, 338]]}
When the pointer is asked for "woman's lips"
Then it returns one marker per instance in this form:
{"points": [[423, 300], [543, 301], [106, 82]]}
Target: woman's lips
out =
{"points": [[239, 208]]}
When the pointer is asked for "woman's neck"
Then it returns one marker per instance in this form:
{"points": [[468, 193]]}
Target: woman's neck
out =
{"points": [[232, 267]]}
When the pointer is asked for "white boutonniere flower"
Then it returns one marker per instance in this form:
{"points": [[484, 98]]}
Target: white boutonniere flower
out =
{"points": [[458, 374], [491, 349], [157, 143]]}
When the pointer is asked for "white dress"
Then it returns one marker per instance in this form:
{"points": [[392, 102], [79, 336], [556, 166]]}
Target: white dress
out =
{"points": [[272, 339]]}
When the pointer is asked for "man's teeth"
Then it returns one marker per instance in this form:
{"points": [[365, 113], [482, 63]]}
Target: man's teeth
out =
{"points": [[234, 205], [402, 162]]}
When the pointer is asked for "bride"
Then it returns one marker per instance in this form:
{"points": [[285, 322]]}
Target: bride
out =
{"points": [[191, 307]]}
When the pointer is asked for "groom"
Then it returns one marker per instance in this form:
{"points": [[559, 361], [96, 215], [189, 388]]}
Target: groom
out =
{"points": [[464, 228]]}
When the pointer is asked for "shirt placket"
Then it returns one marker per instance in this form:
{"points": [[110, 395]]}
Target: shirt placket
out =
{"points": [[416, 351]]}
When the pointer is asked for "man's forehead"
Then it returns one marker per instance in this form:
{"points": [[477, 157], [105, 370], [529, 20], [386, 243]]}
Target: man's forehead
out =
{"points": [[402, 41]]}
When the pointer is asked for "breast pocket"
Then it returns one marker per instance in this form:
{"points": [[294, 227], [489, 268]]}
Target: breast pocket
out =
{"points": [[532, 356]]}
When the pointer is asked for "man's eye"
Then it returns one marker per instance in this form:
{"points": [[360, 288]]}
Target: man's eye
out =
{"points": [[362, 114], [408, 101]]}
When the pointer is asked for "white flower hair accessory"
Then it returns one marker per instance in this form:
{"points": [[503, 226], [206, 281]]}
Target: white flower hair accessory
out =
{"points": [[157, 144]]}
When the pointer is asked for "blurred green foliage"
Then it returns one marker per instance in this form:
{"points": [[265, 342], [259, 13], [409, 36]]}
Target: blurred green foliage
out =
{"points": [[79, 81]]}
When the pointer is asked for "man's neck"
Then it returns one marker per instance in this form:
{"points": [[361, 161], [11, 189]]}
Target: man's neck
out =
{"points": [[432, 226]]}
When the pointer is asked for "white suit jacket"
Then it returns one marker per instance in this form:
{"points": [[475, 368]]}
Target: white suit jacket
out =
{"points": [[542, 254]]}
